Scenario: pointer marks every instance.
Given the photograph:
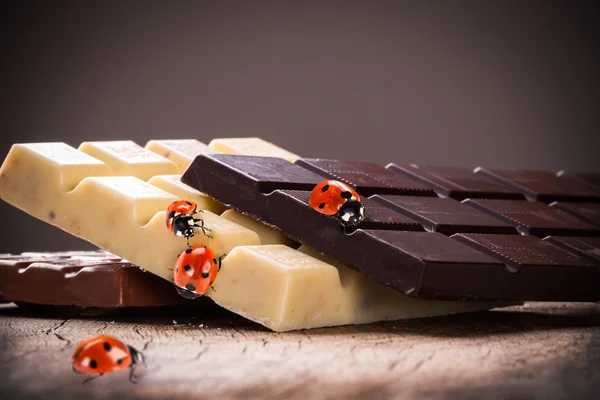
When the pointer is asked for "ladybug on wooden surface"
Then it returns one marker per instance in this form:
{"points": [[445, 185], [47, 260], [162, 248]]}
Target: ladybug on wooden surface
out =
{"points": [[181, 221], [338, 200], [195, 271], [102, 354]]}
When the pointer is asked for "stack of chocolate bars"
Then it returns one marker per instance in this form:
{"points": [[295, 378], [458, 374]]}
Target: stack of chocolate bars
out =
{"points": [[434, 240]]}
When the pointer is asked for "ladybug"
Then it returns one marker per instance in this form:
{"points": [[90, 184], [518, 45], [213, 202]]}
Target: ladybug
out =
{"points": [[102, 354], [180, 219], [336, 199], [195, 271]]}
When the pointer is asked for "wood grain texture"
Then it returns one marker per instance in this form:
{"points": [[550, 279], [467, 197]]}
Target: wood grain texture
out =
{"points": [[540, 350]]}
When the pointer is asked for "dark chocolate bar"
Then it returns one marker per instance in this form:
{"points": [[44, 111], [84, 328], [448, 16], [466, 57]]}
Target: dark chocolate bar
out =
{"points": [[427, 265], [83, 279], [446, 216], [535, 218], [589, 212], [543, 186], [591, 179], [588, 247], [366, 178], [458, 182]]}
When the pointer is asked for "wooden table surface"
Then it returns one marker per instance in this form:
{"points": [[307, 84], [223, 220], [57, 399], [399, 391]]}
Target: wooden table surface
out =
{"points": [[540, 350]]}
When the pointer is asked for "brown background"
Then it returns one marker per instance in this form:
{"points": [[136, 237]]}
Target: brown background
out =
{"points": [[503, 84]]}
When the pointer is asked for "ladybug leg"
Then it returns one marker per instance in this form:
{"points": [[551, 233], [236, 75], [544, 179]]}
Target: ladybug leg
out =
{"points": [[91, 379], [132, 377], [220, 260], [137, 357], [203, 228]]}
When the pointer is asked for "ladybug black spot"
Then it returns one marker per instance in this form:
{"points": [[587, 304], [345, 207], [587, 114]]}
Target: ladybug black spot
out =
{"points": [[325, 188], [187, 267], [188, 251], [346, 195], [93, 364], [188, 203], [190, 287], [322, 205], [174, 202], [119, 361], [205, 275], [177, 269], [214, 260], [107, 346]]}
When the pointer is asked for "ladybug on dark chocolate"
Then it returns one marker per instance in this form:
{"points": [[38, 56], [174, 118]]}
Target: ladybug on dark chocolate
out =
{"points": [[195, 271], [338, 200], [181, 221], [102, 354]]}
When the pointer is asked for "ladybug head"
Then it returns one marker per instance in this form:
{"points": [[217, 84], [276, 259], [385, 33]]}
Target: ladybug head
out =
{"points": [[188, 232], [351, 213]]}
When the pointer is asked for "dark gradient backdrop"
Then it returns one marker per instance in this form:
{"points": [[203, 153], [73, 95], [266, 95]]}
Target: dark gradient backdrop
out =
{"points": [[503, 84]]}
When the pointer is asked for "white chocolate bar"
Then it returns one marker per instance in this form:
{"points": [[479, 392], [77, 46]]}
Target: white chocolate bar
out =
{"points": [[286, 289], [122, 214], [173, 185], [125, 158], [250, 147], [267, 235], [261, 278], [181, 151]]}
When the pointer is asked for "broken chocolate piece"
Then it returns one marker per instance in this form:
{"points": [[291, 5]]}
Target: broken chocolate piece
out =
{"points": [[83, 279]]}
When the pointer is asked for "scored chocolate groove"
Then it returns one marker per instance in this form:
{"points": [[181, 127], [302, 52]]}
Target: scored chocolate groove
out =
{"points": [[535, 218], [589, 212], [458, 182], [390, 249], [366, 178], [543, 186]]}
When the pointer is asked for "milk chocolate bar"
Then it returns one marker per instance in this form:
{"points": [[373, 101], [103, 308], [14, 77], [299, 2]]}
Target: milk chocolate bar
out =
{"points": [[83, 279], [480, 264]]}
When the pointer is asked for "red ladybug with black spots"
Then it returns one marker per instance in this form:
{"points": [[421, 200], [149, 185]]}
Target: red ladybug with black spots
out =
{"points": [[195, 271], [102, 354], [181, 221], [338, 200]]}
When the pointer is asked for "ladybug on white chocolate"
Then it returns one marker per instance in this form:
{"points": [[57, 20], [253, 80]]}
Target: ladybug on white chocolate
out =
{"points": [[181, 221]]}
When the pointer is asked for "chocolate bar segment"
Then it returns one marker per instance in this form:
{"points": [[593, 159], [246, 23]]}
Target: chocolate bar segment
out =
{"points": [[83, 279], [540, 270], [589, 212], [458, 182], [366, 178], [446, 216], [587, 247], [535, 218], [377, 215], [543, 186], [421, 264], [591, 179]]}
